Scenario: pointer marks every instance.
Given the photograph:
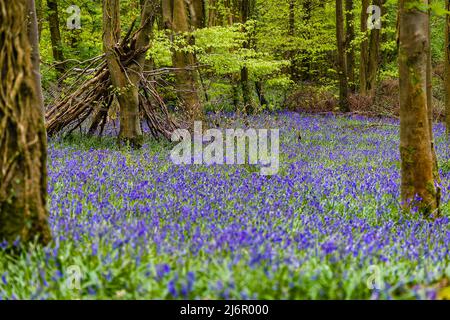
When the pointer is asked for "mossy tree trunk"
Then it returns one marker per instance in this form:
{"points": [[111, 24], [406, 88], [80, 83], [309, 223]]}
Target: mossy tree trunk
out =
{"points": [[39, 16], [306, 14], [55, 37], [197, 13], [245, 11], [447, 68], [374, 55], [418, 187], [126, 78], [175, 15], [23, 140], [430, 107], [290, 54]]}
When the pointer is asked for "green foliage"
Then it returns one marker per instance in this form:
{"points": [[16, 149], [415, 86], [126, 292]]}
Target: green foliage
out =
{"points": [[278, 53]]}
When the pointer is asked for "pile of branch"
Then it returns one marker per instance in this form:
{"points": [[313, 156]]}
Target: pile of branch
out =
{"points": [[87, 103]]}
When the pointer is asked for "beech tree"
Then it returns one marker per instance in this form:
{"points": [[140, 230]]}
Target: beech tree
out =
{"points": [[125, 77], [55, 36], [373, 55], [245, 12], [430, 110], [175, 16], [418, 185], [23, 146], [447, 68]]}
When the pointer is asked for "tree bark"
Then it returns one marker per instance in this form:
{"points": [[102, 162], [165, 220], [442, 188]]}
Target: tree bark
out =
{"points": [[305, 72], [430, 107], [291, 33], [245, 82], [260, 92], [176, 19], [418, 184], [447, 68], [55, 36], [126, 78], [342, 66], [23, 147], [197, 13], [33, 37], [39, 16], [212, 13], [350, 37], [364, 58]]}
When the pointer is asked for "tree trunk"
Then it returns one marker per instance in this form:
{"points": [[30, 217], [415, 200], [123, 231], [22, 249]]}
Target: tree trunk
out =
{"points": [[55, 36], [291, 33], [176, 19], [197, 13], [364, 60], [245, 82], [430, 108], [39, 16], [212, 13], [418, 185], [342, 66], [246, 91], [291, 53], [260, 93], [447, 68], [126, 78], [350, 37], [374, 55], [307, 7], [23, 148], [33, 36]]}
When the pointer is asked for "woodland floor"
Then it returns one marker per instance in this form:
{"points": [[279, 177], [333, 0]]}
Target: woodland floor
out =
{"points": [[328, 226]]}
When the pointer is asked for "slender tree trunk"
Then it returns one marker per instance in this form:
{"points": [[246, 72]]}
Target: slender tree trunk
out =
{"points": [[418, 184], [291, 33], [55, 36], [197, 13], [342, 67], [374, 55], [245, 82], [246, 91], [260, 93], [127, 93], [212, 13], [176, 19], [350, 37], [447, 68], [23, 146], [430, 108], [40, 16], [364, 58]]}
